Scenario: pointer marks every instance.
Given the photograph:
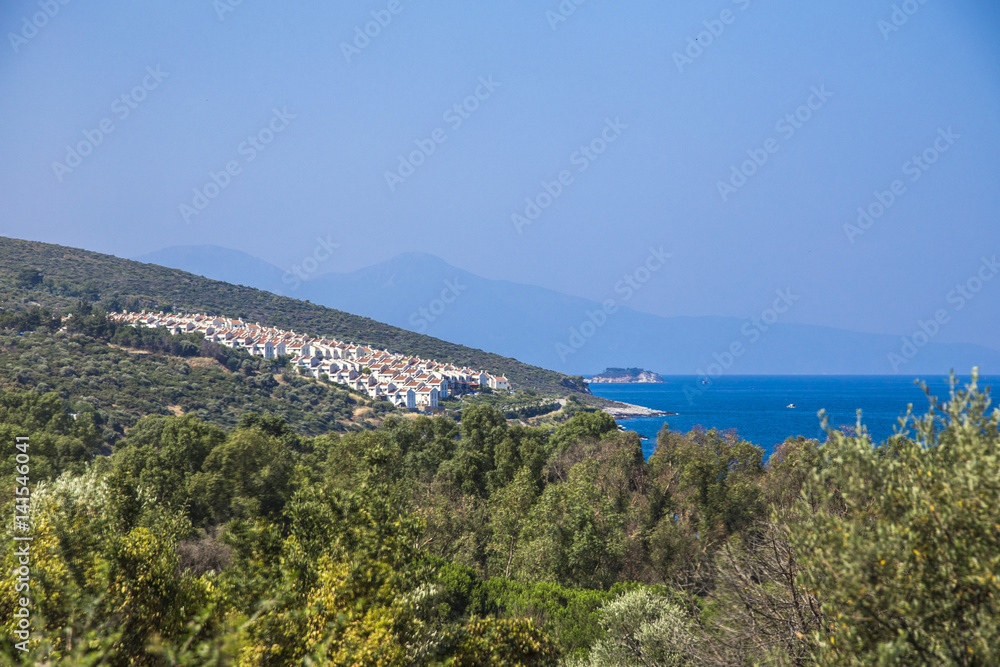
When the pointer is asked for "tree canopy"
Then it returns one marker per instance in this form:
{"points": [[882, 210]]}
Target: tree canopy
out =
{"points": [[427, 541]]}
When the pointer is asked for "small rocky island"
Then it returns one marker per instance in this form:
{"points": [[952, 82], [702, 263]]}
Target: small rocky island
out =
{"points": [[626, 375]]}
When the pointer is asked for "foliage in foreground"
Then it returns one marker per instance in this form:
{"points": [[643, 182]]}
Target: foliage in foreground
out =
{"points": [[431, 542], [904, 551]]}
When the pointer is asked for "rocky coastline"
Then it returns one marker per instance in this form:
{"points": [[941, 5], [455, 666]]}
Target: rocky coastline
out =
{"points": [[628, 411]]}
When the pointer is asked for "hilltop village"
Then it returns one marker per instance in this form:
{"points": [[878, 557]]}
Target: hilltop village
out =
{"points": [[404, 381]]}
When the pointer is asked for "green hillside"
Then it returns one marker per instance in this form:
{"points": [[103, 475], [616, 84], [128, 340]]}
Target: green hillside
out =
{"points": [[57, 277], [113, 385]]}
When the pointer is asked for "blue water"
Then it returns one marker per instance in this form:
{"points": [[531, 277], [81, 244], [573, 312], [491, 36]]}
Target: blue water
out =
{"points": [[756, 405]]}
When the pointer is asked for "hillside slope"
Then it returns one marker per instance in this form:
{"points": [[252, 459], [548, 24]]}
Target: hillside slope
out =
{"points": [[69, 274], [117, 385]]}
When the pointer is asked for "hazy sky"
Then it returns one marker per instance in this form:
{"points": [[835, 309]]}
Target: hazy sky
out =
{"points": [[643, 109]]}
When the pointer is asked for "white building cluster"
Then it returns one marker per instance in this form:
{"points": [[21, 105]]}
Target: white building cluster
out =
{"points": [[409, 382]]}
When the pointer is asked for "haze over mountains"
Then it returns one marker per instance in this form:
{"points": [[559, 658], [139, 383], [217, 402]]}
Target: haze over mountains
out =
{"points": [[573, 335]]}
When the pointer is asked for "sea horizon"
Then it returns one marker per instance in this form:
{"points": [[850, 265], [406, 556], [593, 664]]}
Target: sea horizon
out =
{"points": [[757, 406]]}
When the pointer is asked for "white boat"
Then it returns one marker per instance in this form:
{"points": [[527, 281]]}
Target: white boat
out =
{"points": [[790, 405]]}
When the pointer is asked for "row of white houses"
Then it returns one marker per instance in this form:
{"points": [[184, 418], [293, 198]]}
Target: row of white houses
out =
{"points": [[405, 381]]}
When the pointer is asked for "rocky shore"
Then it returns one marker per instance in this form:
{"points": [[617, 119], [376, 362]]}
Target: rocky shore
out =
{"points": [[627, 411]]}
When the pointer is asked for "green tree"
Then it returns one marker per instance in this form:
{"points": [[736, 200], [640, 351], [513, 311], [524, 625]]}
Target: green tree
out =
{"points": [[164, 456], [904, 549], [29, 277], [509, 509], [789, 467], [247, 476], [569, 615], [495, 642], [583, 425], [642, 630], [483, 426], [575, 534], [710, 488]]}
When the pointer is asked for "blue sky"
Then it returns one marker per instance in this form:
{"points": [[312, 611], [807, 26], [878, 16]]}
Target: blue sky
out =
{"points": [[691, 91]]}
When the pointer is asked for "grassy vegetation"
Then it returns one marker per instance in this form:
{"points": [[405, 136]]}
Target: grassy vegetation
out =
{"points": [[516, 404], [115, 377]]}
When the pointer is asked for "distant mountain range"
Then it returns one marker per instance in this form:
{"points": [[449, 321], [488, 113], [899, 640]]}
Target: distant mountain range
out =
{"points": [[422, 293]]}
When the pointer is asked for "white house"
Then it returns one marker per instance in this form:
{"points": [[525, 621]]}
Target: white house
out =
{"points": [[404, 380], [427, 396], [498, 382]]}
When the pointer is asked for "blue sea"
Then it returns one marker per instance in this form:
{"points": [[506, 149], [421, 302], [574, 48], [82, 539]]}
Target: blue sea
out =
{"points": [[756, 405]]}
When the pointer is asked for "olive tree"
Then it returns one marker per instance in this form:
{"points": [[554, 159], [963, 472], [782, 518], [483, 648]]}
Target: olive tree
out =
{"points": [[904, 549]]}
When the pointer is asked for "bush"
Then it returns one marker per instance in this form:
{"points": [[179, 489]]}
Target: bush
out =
{"points": [[904, 551]]}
